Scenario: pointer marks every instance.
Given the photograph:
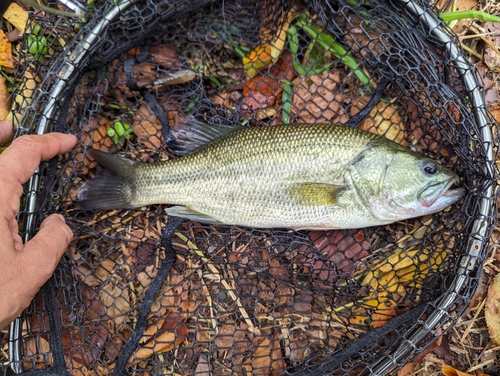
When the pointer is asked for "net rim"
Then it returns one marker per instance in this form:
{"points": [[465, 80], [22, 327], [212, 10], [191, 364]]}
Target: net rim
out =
{"points": [[477, 235]]}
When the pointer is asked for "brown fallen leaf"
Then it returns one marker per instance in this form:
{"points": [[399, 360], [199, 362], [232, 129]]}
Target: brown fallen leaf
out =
{"points": [[116, 298], [84, 345], [94, 307], [95, 136], [39, 349], [318, 98], [6, 59], [384, 120], [14, 36], [492, 309], [202, 366], [491, 57], [450, 371], [262, 91], [163, 336], [340, 250], [17, 16], [163, 55], [260, 361], [234, 337], [424, 130], [76, 368], [147, 127]]}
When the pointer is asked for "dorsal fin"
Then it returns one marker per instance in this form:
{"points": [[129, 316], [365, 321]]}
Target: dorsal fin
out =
{"points": [[194, 134]]}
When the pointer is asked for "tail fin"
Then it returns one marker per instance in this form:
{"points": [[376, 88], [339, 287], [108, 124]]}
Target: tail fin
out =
{"points": [[113, 187]]}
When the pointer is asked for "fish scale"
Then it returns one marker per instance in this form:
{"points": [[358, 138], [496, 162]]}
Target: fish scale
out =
{"points": [[314, 176]]}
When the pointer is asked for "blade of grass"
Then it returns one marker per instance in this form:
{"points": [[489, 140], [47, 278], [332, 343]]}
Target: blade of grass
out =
{"points": [[287, 103], [465, 14], [328, 44], [293, 40]]}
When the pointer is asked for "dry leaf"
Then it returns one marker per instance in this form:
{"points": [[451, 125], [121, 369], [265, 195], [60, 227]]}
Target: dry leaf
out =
{"points": [[163, 55], [115, 297], [6, 59], [161, 337], [340, 250], [17, 16], [84, 345], [318, 99], [147, 127], [202, 366], [263, 90], [94, 135], [492, 309], [76, 368], [450, 371], [4, 99], [95, 308], [267, 54], [384, 120], [24, 96], [260, 361], [491, 57], [363, 42]]}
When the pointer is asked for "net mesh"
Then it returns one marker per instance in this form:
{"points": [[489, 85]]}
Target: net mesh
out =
{"points": [[140, 293]]}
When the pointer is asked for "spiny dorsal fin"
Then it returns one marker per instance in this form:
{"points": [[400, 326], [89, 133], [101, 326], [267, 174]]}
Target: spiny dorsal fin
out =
{"points": [[195, 134]]}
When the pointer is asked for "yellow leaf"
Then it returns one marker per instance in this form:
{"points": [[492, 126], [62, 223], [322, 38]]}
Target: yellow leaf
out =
{"points": [[24, 97], [450, 371], [4, 99], [267, 54], [17, 16], [6, 59]]}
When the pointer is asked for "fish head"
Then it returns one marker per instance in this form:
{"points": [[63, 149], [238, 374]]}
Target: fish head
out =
{"points": [[413, 185], [400, 184]]}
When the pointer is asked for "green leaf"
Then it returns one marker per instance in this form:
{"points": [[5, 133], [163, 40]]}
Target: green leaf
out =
{"points": [[293, 40], [465, 14], [287, 103]]}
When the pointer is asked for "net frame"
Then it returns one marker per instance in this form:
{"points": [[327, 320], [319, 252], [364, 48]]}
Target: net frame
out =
{"points": [[68, 68]]}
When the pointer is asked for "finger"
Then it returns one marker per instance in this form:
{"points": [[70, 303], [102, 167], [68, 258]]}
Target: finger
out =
{"points": [[42, 253], [6, 131], [20, 160], [7, 242]]}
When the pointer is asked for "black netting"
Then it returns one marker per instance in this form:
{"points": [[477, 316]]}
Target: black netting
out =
{"points": [[139, 292]]}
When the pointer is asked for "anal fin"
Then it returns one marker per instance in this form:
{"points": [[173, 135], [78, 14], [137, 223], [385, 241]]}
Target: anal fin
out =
{"points": [[192, 215]]}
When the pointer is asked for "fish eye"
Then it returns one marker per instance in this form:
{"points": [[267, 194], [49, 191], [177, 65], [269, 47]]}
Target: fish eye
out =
{"points": [[430, 168]]}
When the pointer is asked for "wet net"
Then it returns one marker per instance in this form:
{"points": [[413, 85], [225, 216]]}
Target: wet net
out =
{"points": [[142, 293]]}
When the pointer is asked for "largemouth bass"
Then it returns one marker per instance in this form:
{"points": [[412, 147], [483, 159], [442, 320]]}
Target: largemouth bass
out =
{"points": [[298, 176]]}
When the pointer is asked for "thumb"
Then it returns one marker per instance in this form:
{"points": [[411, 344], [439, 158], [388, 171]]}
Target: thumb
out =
{"points": [[43, 252]]}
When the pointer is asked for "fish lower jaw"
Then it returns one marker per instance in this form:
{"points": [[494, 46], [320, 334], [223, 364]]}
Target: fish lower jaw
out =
{"points": [[457, 192]]}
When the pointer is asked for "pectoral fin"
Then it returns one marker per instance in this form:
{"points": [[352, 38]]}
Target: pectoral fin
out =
{"points": [[317, 194], [192, 215]]}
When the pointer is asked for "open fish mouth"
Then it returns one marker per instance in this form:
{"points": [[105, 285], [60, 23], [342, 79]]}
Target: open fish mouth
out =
{"points": [[442, 196]]}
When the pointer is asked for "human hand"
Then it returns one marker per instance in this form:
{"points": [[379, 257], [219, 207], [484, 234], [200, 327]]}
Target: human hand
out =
{"points": [[24, 268]]}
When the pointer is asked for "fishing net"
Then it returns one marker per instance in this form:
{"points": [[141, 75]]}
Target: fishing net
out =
{"points": [[141, 293]]}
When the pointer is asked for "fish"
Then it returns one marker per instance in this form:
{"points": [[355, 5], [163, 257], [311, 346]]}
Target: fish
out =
{"points": [[294, 176]]}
